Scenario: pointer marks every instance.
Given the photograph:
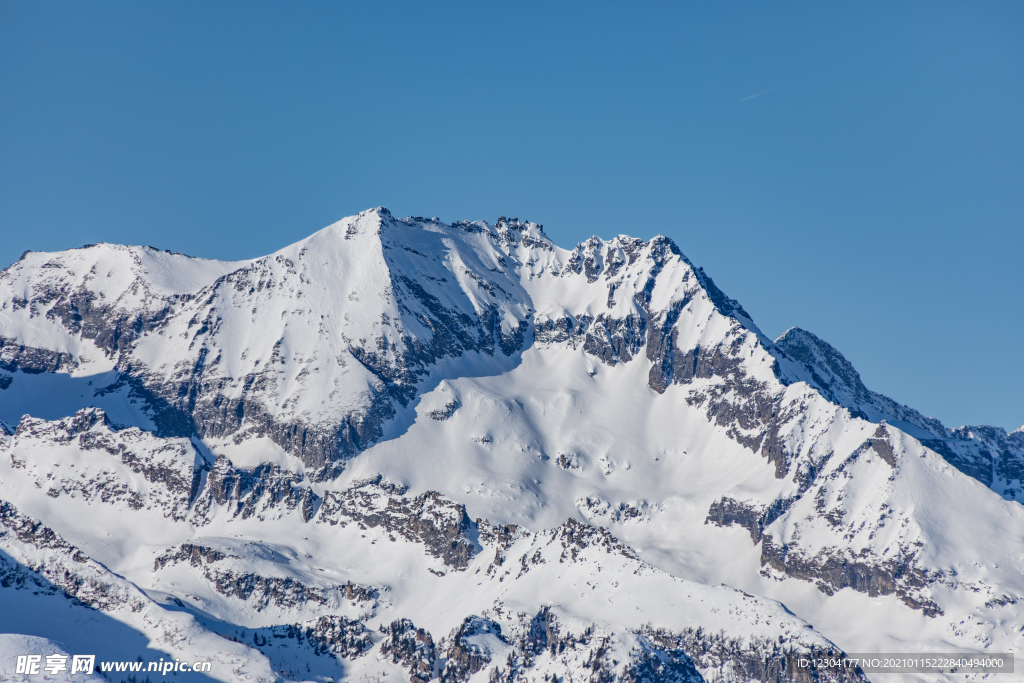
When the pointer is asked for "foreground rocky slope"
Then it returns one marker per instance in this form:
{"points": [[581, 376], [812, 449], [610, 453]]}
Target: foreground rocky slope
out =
{"points": [[276, 593], [461, 451]]}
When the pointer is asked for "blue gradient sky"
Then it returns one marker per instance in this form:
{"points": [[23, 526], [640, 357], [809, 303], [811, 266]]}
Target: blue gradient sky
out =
{"points": [[856, 169]]}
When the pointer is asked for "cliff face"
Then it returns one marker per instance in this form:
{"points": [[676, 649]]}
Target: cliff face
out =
{"points": [[361, 452]]}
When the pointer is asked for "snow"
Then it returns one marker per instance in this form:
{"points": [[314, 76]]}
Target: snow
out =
{"points": [[126, 278]]}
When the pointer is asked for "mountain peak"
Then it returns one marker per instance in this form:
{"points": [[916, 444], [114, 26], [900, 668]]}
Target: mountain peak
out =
{"points": [[832, 372], [808, 358]]}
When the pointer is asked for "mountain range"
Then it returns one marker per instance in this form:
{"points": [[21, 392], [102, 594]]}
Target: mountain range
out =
{"points": [[401, 448]]}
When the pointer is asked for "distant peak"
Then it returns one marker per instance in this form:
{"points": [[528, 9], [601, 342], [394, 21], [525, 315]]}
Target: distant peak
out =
{"points": [[796, 333], [513, 231], [661, 246], [798, 341], [806, 347]]}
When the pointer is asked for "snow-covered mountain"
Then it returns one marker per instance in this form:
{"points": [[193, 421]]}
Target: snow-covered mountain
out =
{"points": [[400, 447], [986, 453]]}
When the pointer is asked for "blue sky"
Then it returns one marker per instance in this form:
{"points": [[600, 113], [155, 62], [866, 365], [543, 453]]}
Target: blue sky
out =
{"points": [[855, 169]]}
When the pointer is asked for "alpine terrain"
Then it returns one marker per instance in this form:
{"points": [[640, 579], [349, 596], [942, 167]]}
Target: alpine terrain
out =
{"points": [[409, 451]]}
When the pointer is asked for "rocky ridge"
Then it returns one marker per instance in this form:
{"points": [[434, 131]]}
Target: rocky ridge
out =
{"points": [[989, 454]]}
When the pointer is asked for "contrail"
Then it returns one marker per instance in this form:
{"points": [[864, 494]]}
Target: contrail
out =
{"points": [[757, 95]]}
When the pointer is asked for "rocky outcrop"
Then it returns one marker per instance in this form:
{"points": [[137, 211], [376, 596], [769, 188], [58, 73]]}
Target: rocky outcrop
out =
{"points": [[611, 340], [260, 591], [438, 523], [194, 554], [340, 637], [155, 474], [828, 571], [595, 508], [879, 443], [16, 356], [326, 636], [500, 535], [576, 536], [752, 517], [864, 573], [884, 570], [567, 330], [410, 647], [265, 591], [264, 490], [63, 432], [570, 461], [444, 413], [464, 655], [34, 533]]}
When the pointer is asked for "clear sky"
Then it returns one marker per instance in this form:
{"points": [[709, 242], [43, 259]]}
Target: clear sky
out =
{"points": [[855, 169]]}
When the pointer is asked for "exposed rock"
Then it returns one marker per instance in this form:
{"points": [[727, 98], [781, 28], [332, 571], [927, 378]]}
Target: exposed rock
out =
{"points": [[16, 356], [343, 638], [576, 536], [726, 512], [431, 519], [87, 587], [195, 555], [753, 518], [412, 648], [464, 654], [595, 508], [171, 468], [570, 461], [616, 340], [35, 533], [499, 535], [566, 330], [258, 491], [444, 413], [831, 572], [263, 591], [258, 590]]}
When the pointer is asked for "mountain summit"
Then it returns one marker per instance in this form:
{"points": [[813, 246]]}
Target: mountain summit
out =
{"points": [[463, 452]]}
